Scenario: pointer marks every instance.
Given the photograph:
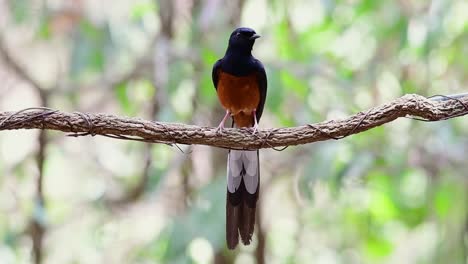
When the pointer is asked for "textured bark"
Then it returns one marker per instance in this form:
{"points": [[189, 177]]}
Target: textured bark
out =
{"points": [[80, 124]]}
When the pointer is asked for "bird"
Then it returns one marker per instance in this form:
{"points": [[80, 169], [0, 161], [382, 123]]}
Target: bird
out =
{"points": [[240, 81]]}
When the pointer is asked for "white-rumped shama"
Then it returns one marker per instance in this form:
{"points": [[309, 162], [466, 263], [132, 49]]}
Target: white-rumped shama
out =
{"points": [[241, 84]]}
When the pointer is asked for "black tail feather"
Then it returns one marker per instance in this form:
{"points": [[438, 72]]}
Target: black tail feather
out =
{"points": [[247, 224], [240, 216], [232, 223]]}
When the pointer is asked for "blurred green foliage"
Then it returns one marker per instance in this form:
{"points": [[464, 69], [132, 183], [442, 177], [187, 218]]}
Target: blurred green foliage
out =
{"points": [[394, 194]]}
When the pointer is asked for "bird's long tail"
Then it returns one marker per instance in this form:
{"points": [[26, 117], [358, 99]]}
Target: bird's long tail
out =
{"points": [[243, 181]]}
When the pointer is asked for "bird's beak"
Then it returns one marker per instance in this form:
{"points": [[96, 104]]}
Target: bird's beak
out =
{"points": [[254, 36]]}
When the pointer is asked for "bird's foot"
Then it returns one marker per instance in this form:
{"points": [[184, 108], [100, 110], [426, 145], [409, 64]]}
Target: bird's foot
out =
{"points": [[255, 128], [219, 129]]}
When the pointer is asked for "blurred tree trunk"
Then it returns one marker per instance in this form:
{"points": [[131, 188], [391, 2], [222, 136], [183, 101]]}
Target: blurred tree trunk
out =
{"points": [[37, 227]]}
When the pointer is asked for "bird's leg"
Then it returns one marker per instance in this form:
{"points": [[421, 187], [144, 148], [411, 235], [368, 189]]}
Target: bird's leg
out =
{"points": [[255, 127], [221, 125]]}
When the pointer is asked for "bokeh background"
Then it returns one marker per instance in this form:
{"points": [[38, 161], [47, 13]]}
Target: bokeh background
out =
{"points": [[395, 194]]}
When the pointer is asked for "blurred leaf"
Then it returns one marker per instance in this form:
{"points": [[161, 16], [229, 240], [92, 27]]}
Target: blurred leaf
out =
{"points": [[91, 43], [142, 8], [444, 200], [285, 119], [283, 40], [409, 87], [317, 39], [208, 92], [44, 31], [204, 219], [157, 250], [21, 10], [344, 71], [154, 179], [366, 6], [292, 83], [349, 168], [413, 188], [382, 206], [377, 247], [122, 98], [275, 91]]}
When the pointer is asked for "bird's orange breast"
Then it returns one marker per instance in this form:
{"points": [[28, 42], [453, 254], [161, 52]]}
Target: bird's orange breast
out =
{"points": [[240, 96]]}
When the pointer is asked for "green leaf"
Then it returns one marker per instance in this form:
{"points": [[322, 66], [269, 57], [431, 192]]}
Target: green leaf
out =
{"points": [[443, 200], [377, 247], [122, 98], [44, 29], [281, 34], [275, 91], [290, 82], [208, 92], [90, 46], [21, 10], [382, 206], [367, 6], [142, 8], [317, 39]]}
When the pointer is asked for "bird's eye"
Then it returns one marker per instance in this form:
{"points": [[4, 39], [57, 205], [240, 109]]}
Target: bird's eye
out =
{"points": [[238, 34]]}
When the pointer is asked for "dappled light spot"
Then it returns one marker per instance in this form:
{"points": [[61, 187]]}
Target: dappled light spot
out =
{"points": [[201, 251]]}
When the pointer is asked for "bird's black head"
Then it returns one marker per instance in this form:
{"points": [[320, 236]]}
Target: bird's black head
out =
{"points": [[242, 40]]}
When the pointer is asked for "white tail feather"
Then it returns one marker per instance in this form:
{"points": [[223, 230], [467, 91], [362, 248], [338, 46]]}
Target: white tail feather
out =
{"points": [[242, 163]]}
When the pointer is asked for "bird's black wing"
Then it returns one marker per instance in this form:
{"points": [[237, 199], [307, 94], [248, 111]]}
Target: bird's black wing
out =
{"points": [[262, 85], [214, 73]]}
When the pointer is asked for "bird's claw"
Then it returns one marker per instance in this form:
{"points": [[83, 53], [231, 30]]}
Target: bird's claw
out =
{"points": [[255, 128], [219, 129]]}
